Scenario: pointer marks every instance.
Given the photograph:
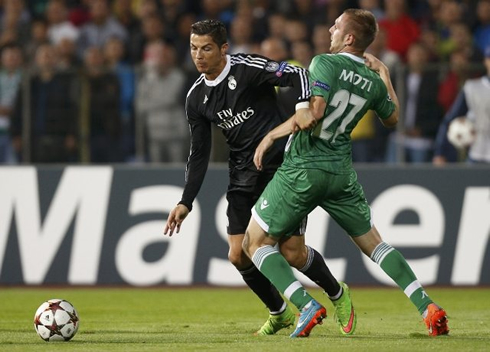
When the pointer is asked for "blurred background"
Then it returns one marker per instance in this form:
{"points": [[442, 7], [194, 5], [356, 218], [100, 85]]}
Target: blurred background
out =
{"points": [[104, 81]]}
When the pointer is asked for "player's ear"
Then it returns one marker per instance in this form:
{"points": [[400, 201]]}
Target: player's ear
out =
{"points": [[224, 49], [349, 39]]}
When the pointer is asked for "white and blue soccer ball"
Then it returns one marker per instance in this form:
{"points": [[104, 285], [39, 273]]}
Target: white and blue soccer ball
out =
{"points": [[461, 132], [56, 320]]}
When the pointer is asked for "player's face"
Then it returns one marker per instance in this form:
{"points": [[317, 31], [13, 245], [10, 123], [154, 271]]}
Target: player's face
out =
{"points": [[207, 56], [337, 35]]}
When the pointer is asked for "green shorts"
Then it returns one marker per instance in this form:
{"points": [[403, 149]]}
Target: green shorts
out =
{"points": [[293, 193]]}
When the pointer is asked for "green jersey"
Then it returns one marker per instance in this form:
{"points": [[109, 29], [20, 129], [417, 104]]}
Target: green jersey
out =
{"points": [[350, 89]]}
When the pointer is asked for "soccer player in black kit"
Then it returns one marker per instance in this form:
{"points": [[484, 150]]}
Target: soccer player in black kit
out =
{"points": [[237, 93]]}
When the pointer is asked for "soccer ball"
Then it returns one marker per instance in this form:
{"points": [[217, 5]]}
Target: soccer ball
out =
{"points": [[56, 320], [461, 132]]}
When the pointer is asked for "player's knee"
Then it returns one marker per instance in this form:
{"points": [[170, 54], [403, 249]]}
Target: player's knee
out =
{"points": [[296, 257], [238, 258], [234, 259]]}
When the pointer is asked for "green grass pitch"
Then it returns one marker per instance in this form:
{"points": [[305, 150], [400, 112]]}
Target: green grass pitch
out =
{"points": [[221, 319]]}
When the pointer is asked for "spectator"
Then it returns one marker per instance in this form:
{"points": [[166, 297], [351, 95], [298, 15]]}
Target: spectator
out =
{"points": [[450, 13], [374, 6], [59, 27], [302, 52], [473, 103], [53, 110], [114, 56], [461, 39], [401, 29], [10, 81], [79, 15], [101, 27], [153, 30], [183, 48], [125, 13], [146, 8], [453, 80], [39, 36], [104, 109], [482, 31], [159, 103], [379, 48], [66, 51], [217, 10], [430, 39], [421, 113], [276, 49], [277, 25], [309, 12], [241, 33], [321, 39], [172, 11], [370, 138], [296, 30], [15, 21]]}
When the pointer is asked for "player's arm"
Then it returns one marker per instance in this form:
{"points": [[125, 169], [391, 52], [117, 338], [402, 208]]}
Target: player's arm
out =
{"points": [[376, 65], [196, 169], [442, 146], [284, 129]]}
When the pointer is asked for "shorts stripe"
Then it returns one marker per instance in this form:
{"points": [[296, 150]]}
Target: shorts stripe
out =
{"points": [[309, 259], [259, 220], [292, 289]]}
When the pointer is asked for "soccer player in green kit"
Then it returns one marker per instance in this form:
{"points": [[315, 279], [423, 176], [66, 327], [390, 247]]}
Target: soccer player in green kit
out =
{"points": [[317, 171]]}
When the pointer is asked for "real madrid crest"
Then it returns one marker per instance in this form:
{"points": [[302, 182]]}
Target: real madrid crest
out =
{"points": [[231, 83]]}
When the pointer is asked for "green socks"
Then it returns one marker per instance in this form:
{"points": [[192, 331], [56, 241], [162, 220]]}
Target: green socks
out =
{"points": [[273, 265], [394, 264]]}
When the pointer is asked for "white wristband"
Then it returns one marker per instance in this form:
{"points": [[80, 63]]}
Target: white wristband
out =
{"points": [[303, 105]]}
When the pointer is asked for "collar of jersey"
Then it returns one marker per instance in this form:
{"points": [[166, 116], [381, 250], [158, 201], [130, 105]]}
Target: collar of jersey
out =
{"points": [[221, 76], [353, 57]]}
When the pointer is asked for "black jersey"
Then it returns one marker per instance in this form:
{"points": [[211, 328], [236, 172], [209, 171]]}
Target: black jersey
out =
{"points": [[242, 102]]}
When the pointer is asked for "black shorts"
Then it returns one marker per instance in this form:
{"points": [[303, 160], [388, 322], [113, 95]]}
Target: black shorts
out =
{"points": [[244, 190]]}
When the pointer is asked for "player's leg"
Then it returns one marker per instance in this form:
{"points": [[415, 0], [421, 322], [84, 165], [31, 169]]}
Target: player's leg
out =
{"points": [[349, 208], [278, 212], [311, 263], [267, 258], [395, 266], [280, 314]]}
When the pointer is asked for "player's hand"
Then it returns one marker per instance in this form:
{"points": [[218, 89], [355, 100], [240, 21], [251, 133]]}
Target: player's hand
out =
{"points": [[374, 63], [439, 160], [175, 219], [303, 119], [260, 151]]}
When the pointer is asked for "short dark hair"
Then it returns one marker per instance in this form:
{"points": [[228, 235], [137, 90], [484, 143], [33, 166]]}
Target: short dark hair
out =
{"points": [[215, 29], [363, 25]]}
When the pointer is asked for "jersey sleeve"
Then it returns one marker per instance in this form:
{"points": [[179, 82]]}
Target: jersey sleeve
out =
{"points": [[197, 164], [282, 74], [319, 76], [384, 106]]}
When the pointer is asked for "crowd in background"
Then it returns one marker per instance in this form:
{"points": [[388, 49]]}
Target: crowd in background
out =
{"points": [[105, 81]]}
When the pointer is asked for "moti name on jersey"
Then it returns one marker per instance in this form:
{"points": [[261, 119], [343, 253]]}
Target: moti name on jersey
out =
{"points": [[230, 120], [356, 79]]}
